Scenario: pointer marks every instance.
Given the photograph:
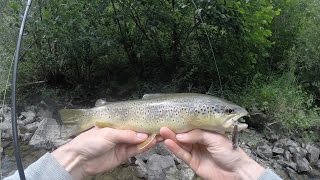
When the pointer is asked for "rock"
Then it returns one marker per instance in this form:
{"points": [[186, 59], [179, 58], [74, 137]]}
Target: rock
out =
{"points": [[172, 173], [6, 134], [292, 174], [141, 169], [290, 164], [278, 148], [59, 142], [161, 149], [313, 153], [27, 117], [298, 151], [6, 116], [157, 165], [292, 143], [317, 164], [287, 155], [26, 136], [6, 125], [302, 164], [32, 127], [44, 111], [185, 172], [146, 155], [47, 131], [283, 140], [32, 108], [273, 138], [276, 165], [264, 150], [279, 171], [314, 174], [100, 102], [278, 157]]}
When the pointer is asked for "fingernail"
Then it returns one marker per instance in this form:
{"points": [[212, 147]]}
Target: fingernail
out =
{"points": [[180, 136], [142, 135]]}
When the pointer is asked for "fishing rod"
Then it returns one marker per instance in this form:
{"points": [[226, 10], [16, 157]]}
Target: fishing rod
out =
{"points": [[13, 96]]}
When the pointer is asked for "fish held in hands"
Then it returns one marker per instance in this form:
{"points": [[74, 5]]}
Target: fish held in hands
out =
{"points": [[181, 112]]}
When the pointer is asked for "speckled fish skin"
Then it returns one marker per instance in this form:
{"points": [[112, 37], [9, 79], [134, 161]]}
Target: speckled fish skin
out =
{"points": [[181, 112]]}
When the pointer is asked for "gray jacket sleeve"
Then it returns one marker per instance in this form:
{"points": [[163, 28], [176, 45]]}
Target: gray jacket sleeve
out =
{"points": [[269, 175], [47, 167]]}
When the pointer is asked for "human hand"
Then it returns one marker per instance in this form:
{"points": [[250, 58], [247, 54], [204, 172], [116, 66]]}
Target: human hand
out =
{"points": [[211, 155], [99, 150]]}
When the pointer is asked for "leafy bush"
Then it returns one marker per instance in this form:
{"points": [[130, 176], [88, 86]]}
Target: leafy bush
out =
{"points": [[284, 100]]}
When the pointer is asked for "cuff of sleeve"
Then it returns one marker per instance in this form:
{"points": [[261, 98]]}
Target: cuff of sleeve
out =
{"points": [[269, 175]]}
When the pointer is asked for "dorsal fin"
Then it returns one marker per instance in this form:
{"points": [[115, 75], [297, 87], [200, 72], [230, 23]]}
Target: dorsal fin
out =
{"points": [[101, 102], [153, 96]]}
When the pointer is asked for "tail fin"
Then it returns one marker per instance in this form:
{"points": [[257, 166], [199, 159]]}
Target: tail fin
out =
{"points": [[76, 120]]}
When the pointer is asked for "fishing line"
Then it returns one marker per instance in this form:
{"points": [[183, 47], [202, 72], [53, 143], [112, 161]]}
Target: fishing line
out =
{"points": [[13, 95], [211, 48]]}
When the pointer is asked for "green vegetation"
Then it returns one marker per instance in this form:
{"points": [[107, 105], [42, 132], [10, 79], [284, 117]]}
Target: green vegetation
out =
{"points": [[284, 100], [265, 52]]}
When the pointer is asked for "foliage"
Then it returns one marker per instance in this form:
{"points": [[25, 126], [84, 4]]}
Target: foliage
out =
{"points": [[82, 41], [307, 50], [282, 98]]}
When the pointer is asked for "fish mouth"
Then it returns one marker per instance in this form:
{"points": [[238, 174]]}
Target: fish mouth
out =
{"points": [[233, 120]]}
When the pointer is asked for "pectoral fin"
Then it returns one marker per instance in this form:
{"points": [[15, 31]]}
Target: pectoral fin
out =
{"points": [[147, 141]]}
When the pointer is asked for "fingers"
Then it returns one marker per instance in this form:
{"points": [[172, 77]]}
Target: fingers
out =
{"points": [[201, 137], [166, 133], [178, 151], [122, 136]]}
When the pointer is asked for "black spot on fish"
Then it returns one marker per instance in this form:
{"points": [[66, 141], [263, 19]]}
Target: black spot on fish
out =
{"points": [[229, 111]]}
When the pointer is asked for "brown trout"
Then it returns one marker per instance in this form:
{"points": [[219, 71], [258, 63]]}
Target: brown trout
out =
{"points": [[181, 112]]}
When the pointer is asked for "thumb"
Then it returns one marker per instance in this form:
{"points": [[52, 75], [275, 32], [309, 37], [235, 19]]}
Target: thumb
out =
{"points": [[122, 136]]}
